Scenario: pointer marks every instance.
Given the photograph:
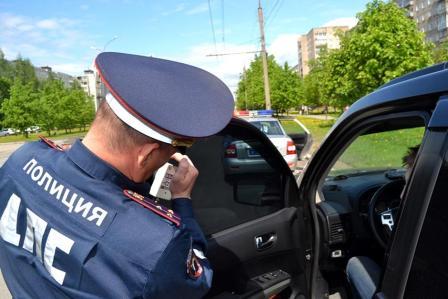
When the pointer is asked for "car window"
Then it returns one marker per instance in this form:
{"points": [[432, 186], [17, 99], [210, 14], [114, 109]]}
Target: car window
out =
{"points": [[377, 151], [236, 183], [428, 276], [268, 127]]}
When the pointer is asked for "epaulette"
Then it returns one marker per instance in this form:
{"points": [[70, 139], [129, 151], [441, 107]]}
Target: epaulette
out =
{"points": [[51, 143], [153, 206]]}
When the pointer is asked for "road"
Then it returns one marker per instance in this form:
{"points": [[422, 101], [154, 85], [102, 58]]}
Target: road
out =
{"points": [[6, 149]]}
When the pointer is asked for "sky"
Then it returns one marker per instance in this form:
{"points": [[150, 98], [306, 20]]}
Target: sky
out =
{"points": [[67, 34]]}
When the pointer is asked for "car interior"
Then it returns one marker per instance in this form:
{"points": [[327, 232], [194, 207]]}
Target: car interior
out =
{"points": [[358, 204]]}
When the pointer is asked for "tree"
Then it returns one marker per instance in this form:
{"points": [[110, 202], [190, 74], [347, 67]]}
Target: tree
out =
{"points": [[5, 67], [440, 53], [383, 45], [250, 92], [82, 106], [21, 108], [5, 86], [51, 93], [286, 89], [314, 81], [24, 70], [284, 84]]}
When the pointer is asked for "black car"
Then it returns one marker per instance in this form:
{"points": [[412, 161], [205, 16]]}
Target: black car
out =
{"points": [[272, 235]]}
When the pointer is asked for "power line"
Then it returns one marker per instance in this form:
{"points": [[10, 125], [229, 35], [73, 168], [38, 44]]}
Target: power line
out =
{"points": [[272, 9], [274, 14], [211, 23]]}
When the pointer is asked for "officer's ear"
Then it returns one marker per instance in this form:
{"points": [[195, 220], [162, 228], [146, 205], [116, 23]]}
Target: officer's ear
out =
{"points": [[144, 154]]}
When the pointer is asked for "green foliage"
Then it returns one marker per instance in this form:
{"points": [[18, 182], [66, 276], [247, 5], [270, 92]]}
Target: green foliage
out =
{"points": [[82, 109], [24, 70], [440, 53], [5, 67], [385, 44], [286, 89], [250, 92], [312, 83], [285, 86], [52, 106], [49, 96], [20, 109]]}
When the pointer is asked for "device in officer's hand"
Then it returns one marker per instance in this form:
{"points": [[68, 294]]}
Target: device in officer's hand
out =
{"points": [[160, 187]]}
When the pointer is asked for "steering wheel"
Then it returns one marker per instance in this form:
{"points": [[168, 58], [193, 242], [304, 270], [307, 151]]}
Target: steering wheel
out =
{"points": [[383, 208]]}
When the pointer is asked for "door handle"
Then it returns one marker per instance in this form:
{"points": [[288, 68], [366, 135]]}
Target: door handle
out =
{"points": [[265, 241]]}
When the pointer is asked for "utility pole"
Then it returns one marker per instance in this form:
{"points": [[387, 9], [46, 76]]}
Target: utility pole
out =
{"points": [[267, 92], [245, 89]]}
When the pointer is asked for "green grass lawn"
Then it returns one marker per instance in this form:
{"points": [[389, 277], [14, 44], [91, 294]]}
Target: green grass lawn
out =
{"points": [[55, 135], [380, 150], [377, 150], [317, 127], [291, 126]]}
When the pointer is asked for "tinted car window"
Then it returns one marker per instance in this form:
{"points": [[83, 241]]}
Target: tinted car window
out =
{"points": [[235, 185], [428, 277]]}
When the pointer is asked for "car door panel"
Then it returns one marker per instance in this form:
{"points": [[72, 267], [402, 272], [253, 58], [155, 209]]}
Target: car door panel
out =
{"points": [[236, 204], [237, 262]]}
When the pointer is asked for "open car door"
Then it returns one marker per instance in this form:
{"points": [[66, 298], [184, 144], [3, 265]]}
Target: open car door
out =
{"points": [[245, 200]]}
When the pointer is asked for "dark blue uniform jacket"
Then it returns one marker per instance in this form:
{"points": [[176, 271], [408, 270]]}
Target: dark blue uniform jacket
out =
{"points": [[68, 231]]}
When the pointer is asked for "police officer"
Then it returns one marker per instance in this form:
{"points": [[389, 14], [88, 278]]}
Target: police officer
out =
{"points": [[78, 223]]}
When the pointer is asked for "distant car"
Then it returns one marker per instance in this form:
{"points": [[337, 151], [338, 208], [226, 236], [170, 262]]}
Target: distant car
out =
{"points": [[4, 132], [13, 131], [8, 131], [275, 132], [33, 129], [242, 157]]}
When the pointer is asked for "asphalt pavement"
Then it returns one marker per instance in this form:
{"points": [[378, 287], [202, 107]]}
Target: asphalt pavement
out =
{"points": [[6, 149]]}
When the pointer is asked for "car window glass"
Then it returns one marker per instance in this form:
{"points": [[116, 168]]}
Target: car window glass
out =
{"points": [[268, 127], [377, 151], [428, 276], [236, 184]]}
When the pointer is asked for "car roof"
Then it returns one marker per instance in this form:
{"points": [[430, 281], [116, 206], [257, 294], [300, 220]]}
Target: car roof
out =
{"points": [[250, 119], [405, 90]]}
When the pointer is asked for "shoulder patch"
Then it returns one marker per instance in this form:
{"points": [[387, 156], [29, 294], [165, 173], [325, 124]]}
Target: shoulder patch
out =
{"points": [[194, 267], [51, 143], [153, 206]]}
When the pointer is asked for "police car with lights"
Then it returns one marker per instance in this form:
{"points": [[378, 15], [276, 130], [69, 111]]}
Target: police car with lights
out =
{"points": [[272, 128]]}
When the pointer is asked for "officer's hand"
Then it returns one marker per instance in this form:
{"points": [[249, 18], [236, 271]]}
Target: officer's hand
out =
{"points": [[184, 178]]}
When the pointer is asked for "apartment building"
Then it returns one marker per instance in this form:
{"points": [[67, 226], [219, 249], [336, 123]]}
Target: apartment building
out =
{"points": [[430, 15], [310, 44], [92, 85]]}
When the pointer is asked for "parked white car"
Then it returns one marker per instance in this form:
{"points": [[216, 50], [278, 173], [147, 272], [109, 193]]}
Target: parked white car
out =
{"points": [[263, 120]]}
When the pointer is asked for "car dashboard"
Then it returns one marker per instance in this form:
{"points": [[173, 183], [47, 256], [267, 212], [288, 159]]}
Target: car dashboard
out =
{"points": [[343, 215]]}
